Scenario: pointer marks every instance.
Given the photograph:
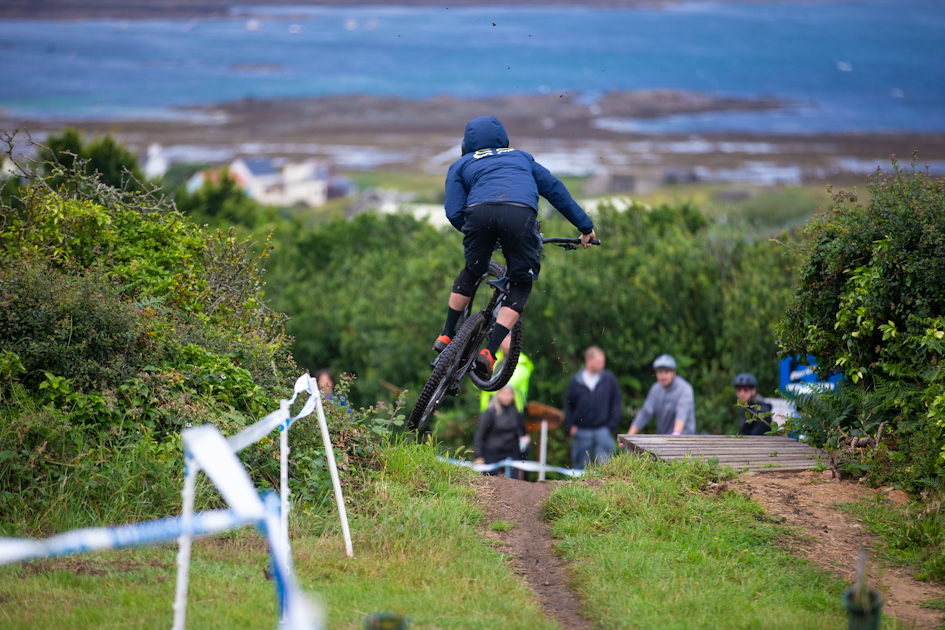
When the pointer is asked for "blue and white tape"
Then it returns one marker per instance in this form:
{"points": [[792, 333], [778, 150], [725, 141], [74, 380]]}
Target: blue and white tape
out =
{"points": [[280, 418], [210, 452], [521, 464], [99, 538]]}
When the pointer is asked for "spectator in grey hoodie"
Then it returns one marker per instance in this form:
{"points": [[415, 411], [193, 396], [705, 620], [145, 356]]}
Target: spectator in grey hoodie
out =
{"points": [[670, 400], [592, 410]]}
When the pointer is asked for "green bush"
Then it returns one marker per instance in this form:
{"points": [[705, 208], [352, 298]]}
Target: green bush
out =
{"points": [[869, 304], [115, 165], [122, 324], [76, 327]]}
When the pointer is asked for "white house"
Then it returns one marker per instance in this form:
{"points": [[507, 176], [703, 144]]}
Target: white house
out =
{"points": [[304, 182], [310, 182]]}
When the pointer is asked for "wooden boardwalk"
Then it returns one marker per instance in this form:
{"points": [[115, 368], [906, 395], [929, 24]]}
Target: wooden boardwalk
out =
{"points": [[763, 453]]}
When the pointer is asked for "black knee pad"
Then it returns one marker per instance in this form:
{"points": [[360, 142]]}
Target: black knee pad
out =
{"points": [[465, 283], [518, 295]]}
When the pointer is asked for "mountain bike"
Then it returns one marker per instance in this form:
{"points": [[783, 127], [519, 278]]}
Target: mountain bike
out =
{"points": [[456, 362]]}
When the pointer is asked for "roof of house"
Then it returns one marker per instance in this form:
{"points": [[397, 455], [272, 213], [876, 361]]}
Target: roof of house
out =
{"points": [[259, 166]]}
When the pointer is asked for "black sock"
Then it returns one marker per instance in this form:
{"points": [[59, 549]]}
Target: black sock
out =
{"points": [[499, 333], [451, 318]]}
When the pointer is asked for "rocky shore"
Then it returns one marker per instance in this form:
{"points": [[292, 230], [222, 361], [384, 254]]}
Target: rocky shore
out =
{"points": [[564, 131]]}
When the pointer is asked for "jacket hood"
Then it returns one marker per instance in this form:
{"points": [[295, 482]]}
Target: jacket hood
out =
{"points": [[485, 132]]}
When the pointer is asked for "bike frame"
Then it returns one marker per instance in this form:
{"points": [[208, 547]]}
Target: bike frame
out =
{"points": [[460, 366]]}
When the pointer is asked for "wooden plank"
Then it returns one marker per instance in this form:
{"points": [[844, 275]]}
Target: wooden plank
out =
{"points": [[786, 443], [716, 443], [720, 449], [727, 446], [753, 458], [757, 464], [781, 469], [740, 438], [758, 454], [734, 454]]}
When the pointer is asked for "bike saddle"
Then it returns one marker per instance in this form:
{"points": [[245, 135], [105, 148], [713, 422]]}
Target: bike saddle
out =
{"points": [[502, 284]]}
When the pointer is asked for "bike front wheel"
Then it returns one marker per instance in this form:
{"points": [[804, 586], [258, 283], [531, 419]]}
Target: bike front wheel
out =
{"points": [[447, 373]]}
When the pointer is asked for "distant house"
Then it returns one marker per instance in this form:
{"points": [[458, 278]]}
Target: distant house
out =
{"points": [[311, 182]]}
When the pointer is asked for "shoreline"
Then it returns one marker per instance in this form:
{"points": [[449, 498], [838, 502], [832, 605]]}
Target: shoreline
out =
{"points": [[359, 132], [75, 10]]}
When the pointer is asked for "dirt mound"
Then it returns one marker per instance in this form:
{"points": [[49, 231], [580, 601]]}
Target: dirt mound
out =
{"points": [[807, 501]]}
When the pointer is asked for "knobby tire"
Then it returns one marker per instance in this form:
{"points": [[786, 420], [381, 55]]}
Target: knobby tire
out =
{"points": [[443, 376]]}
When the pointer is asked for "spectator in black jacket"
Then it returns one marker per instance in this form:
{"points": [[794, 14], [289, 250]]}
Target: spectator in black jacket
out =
{"points": [[756, 414], [592, 410], [501, 429]]}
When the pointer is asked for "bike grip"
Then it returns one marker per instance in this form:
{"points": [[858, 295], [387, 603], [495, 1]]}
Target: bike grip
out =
{"points": [[595, 241]]}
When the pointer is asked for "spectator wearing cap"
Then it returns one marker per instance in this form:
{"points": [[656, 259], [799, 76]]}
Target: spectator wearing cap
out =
{"points": [[670, 400], [592, 410], [755, 412]]}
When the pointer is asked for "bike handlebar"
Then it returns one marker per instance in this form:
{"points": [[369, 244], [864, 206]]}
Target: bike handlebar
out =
{"points": [[564, 242]]}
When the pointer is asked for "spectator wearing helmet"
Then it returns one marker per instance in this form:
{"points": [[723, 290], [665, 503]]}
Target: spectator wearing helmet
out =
{"points": [[670, 400], [754, 420]]}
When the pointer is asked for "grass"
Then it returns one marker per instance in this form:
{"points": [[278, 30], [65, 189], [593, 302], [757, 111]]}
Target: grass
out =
{"points": [[649, 549], [428, 188], [910, 536], [418, 546]]}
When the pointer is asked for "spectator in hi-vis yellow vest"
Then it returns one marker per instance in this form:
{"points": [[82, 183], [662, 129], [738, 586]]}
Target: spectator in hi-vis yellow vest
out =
{"points": [[519, 380]]}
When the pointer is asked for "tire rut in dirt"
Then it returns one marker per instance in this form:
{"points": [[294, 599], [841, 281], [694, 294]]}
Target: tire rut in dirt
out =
{"points": [[529, 545]]}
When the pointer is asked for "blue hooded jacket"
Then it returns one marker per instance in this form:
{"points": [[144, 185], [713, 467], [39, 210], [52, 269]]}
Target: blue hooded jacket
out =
{"points": [[491, 172]]}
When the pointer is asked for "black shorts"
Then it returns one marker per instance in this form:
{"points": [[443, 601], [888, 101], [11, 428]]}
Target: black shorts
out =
{"points": [[515, 227]]}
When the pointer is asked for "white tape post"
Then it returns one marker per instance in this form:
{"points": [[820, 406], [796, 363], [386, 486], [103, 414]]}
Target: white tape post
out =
{"points": [[183, 543], [339, 499], [205, 449], [252, 434]]}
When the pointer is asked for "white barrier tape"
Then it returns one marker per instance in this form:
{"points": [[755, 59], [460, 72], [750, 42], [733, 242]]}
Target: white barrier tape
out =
{"points": [[281, 418], [258, 431], [211, 453], [100, 538], [521, 464], [209, 449], [238, 442]]}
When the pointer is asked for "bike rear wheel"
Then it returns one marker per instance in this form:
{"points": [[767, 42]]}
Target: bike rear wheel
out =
{"points": [[445, 375]]}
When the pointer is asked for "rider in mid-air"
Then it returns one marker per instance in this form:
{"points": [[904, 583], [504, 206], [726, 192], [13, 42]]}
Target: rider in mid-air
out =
{"points": [[492, 195]]}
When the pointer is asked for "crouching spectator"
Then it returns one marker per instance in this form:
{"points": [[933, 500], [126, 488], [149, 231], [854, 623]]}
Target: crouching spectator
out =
{"points": [[501, 426], [756, 413], [670, 400]]}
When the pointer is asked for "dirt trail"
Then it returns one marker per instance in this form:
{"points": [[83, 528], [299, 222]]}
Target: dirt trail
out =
{"points": [[529, 545], [807, 500]]}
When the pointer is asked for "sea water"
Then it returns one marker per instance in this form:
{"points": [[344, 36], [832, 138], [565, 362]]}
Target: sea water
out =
{"points": [[855, 66]]}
